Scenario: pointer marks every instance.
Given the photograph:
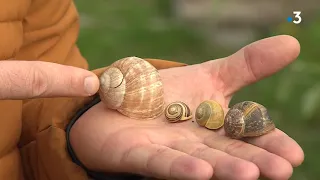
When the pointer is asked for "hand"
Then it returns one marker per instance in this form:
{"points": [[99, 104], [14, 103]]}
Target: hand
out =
{"points": [[32, 79], [104, 140]]}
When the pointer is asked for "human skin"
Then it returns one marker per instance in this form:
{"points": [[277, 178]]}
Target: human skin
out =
{"points": [[21, 79], [105, 140]]}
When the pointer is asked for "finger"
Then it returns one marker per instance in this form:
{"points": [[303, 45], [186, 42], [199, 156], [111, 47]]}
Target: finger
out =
{"points": [[279, 143], [256, 61], [30, 79], [165, 163], [224, 166], [270, 165]]}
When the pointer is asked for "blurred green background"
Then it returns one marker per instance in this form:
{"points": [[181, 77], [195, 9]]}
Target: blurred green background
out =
{"points": [[113, 29]]}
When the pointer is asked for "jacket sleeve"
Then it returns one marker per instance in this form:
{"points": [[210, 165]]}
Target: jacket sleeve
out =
{"points": [[43, 139]]}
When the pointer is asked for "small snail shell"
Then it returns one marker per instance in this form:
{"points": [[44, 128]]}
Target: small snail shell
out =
{"points": [[247, 119], [210, 114], [133, 87], [177, 111]]}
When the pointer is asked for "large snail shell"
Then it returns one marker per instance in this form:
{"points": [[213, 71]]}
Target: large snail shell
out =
{"points": [[247, 119], [177, 111], [133, 87], [210, 114]]}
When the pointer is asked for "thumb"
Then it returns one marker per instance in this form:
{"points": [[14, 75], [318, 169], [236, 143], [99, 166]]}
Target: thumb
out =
{"points": [[32, 79]]}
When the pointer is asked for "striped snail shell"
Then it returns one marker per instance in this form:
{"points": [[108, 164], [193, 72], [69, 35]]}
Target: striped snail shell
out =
{"points": [[177, 111], [247, 119], [133, 87], [210, 114]]}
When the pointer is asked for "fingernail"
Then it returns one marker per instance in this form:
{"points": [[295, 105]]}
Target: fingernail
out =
{"points": [[90, 85]]}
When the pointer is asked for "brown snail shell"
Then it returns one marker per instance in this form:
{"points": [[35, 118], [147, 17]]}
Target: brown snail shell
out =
{"points": [[210, 114], [133, 87], [247, 119], [177, 111]]}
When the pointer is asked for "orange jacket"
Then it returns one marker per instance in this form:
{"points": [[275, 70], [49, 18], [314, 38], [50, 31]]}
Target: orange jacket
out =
{"points": [[32, 132]]}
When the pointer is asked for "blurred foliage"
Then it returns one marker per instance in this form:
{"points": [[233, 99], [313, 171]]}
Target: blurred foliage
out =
{"points": [[111, 30]]}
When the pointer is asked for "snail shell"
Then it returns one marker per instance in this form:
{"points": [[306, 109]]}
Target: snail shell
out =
{"points": [[177, 111], [210, 114], [247, 119], [133, 87]]}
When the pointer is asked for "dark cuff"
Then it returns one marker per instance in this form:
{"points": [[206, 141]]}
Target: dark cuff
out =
{"points": [[93, 174]]}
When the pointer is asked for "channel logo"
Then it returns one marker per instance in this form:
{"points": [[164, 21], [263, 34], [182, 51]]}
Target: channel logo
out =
{"points": [[296, 19]]}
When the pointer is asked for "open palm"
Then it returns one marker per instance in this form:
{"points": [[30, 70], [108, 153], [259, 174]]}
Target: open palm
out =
{"points": [[185, 150]]}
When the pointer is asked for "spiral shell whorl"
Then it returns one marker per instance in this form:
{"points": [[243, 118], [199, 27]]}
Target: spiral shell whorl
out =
{"points": [[112, 88], [133, 87], [248, 119], [177, 111], [210, 114]]}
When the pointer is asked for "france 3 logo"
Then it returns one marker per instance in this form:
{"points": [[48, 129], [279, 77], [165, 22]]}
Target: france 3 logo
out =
{"points": [[296, 19]]}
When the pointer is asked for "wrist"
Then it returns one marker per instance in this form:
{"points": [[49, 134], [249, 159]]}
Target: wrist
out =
{"points": [[73, 135]]}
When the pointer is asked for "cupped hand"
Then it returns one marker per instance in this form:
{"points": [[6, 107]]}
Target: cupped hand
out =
{"points": [[35, 79], [106, 141]]}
